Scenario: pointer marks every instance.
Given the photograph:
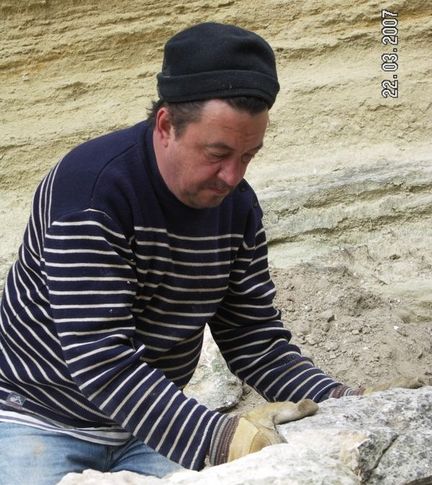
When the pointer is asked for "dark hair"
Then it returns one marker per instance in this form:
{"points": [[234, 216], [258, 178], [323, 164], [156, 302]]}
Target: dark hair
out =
{"points": [[182, 114]]}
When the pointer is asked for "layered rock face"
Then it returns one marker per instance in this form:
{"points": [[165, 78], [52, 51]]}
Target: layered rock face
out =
{"points": [[344, 179], [73, 69]]}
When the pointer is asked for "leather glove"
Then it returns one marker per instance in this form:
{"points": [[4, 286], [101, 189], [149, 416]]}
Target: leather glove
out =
{"points": [[342, 390], [238, 436], [403, 382]]}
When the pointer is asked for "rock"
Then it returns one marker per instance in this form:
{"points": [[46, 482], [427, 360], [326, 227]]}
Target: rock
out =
{"points": [[405, 315], [327, 315], [331, 346], [312, 340], [418, 291], [212, 383], [304, 327], [384, 438], [381, 439], [290, 306]]}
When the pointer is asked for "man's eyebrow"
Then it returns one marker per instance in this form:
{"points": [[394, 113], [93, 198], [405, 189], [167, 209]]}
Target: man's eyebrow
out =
{"points": [[224, 146]]}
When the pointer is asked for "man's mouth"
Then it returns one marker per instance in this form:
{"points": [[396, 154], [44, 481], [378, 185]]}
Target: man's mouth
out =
{"points": [[220, 189]]}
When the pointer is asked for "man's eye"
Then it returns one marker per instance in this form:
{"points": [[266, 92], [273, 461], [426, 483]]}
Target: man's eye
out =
{"points": [[219, 156], [247, 158]]}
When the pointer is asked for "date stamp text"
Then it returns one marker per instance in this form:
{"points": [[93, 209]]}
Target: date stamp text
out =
{"points": [[389, 60]]}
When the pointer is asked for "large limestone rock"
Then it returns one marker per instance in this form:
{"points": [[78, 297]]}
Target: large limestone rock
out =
{"points": [[381, 439], [212, 383]]}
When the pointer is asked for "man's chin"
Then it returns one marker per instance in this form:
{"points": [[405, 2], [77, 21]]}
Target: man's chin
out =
{"points": [[207, 202]]}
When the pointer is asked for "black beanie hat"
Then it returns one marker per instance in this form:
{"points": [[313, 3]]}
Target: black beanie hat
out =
{"points": [[212, 60]]}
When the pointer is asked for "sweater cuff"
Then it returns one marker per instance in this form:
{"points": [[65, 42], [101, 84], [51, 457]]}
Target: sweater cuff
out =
{"points": [[221, 440], [341, 391]]}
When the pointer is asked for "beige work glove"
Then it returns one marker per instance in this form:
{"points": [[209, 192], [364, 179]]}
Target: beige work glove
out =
{"points": [[342, 390], [238, 436], [403, 382]]}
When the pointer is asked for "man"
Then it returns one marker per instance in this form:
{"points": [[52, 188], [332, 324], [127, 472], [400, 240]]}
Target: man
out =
{"points": [[136, 240]]}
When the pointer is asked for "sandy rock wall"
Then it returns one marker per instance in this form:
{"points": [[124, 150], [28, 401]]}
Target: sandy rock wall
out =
{"points": [[73, 69]]}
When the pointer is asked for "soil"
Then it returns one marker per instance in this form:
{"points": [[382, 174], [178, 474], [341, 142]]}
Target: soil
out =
{"points": [[344, 317]]}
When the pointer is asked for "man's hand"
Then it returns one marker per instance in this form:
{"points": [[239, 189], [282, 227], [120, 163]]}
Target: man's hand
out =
{"points": [[407, 383], [403, 382], [241, 435]]}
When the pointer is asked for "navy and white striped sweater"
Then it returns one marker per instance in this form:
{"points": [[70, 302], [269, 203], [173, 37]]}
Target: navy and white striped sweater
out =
{"points": [[102, 315]]}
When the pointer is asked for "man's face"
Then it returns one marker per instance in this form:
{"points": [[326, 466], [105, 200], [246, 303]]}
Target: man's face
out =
{"points": [[209, 158]]}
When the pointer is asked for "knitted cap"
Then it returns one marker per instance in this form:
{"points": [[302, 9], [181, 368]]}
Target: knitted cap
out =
{"points": [[212, 60]]}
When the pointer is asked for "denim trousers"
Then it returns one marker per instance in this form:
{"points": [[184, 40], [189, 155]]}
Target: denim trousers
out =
{"points": [[31, 456]]}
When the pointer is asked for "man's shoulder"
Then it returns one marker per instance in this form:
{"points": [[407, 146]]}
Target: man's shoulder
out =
{"points": [[89, 175], [102, 159], [97, 152]]}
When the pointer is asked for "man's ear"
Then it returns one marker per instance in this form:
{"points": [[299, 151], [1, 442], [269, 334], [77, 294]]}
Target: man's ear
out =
{"points": [[163, 126]]}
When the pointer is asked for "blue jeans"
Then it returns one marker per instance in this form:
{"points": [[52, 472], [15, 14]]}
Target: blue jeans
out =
{"points": [[30, 456]]}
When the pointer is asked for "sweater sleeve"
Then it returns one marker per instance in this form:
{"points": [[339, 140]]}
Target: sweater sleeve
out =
{"points": [[91, 277], [251, 336]]}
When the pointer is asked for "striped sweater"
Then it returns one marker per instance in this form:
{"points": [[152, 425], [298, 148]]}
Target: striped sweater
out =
{"points": [[103, 313]]}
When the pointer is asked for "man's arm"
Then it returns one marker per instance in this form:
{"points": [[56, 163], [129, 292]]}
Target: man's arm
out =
{"points": [[90, 273], [256, 346], [251, 336]]}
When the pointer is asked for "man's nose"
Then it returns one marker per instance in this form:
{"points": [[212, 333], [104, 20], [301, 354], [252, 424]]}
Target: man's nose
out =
{"points": [[232, 171]]}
